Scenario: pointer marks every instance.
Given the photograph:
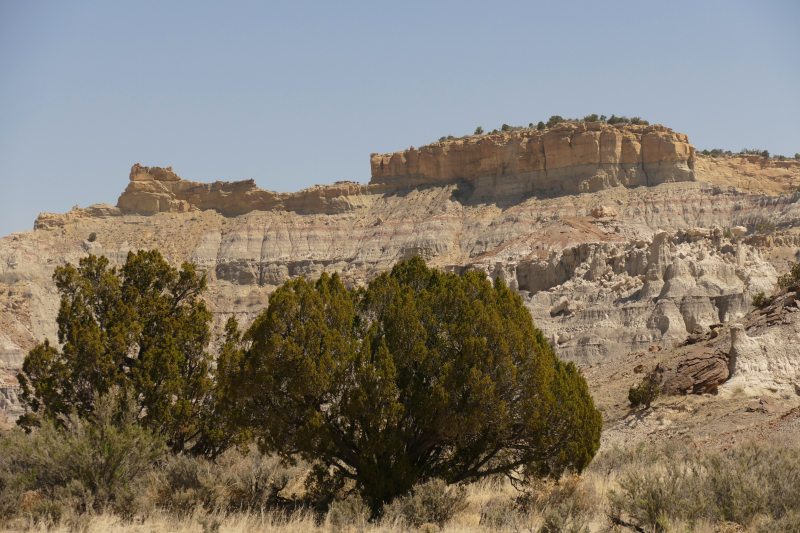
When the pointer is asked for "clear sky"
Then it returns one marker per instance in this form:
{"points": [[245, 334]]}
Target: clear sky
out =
{"points": [[294, 94]]}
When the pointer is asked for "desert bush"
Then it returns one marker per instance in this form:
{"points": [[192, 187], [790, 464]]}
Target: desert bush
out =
{"points": [[92, 237], [567, 505], [84, 465], [765, 227], [645, 392], [505, 127], [753, 485], [478, 131], [46, 512], [235, 482], [499, 513], [754, 480], [352, 512], [613, 119], [541, 125], [797, 156], [431, 502], [761, 300], [727, 234], [594, 117], [788, 279], [555, 119], [660, 485]]}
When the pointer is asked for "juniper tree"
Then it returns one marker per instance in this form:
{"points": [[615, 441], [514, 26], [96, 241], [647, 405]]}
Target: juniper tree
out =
{"points": [[420, 375], [141, 328]]}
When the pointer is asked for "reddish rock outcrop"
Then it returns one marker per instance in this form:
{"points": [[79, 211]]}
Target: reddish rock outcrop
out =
{"points": [[703, 369]]}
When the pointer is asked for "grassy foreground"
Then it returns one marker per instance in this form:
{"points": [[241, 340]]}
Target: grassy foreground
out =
{"points": [[672, 487]]}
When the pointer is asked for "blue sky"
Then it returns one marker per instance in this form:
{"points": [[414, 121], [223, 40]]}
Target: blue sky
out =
{"points": [[294, 94]]}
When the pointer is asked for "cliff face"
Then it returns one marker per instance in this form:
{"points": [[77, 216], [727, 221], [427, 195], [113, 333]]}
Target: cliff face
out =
{"points": [[570, 158], [157, 190], [604, 269]]}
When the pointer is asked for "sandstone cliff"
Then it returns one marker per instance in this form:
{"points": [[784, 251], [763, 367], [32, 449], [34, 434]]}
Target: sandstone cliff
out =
{"points": [[156, 190], [617, 238], [581, 157]]}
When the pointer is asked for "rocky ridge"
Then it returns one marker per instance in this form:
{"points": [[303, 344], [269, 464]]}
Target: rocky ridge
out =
{"points": [[657, 246]]}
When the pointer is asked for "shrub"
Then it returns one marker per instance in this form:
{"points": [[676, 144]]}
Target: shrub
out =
{"points": [[765, 227], [727, 234], [85, 463], [566, 505], [555, 119], [505, 127], [594, 117], [421, 374], [760, 300], [352, 512], [765, 153], [540, 126], [478, 131], [613, 119], [235, 482], [751, 485], [143, 327], [788, 279], [432, 502], [92, 237], [645, 392], [665, 484], [498, 513], [640, 121], [797, 156]]}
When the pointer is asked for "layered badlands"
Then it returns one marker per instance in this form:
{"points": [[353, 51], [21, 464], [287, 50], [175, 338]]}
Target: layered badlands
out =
{"points": [[618, 238]]}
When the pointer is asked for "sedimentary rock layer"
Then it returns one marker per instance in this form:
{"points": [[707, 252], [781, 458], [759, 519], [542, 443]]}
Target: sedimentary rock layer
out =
{"points": [[582, 157]]}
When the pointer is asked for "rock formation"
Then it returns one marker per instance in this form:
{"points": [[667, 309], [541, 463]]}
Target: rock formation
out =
{"points": [[614, 237], [583, 157]]}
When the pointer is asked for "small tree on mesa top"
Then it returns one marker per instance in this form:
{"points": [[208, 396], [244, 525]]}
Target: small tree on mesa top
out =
{"points": [[141, 328], [421, 375]]}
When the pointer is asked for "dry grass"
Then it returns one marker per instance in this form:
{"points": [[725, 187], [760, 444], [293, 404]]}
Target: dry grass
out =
{"points": [[655, 489]]}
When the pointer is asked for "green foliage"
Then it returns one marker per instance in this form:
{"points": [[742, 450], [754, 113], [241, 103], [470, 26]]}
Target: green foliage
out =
{"points": [[433, 502], [781, 158], [797, 156], [92, 237], [765, 153], [555, 119], [645, 392], [505, 127], [422, 374], [84, 463], [478, 131], [141, 328], [613, 119], [765, 227], [788, 279], [727, 234], [594, 117], [639, 121], [540, 126]]}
